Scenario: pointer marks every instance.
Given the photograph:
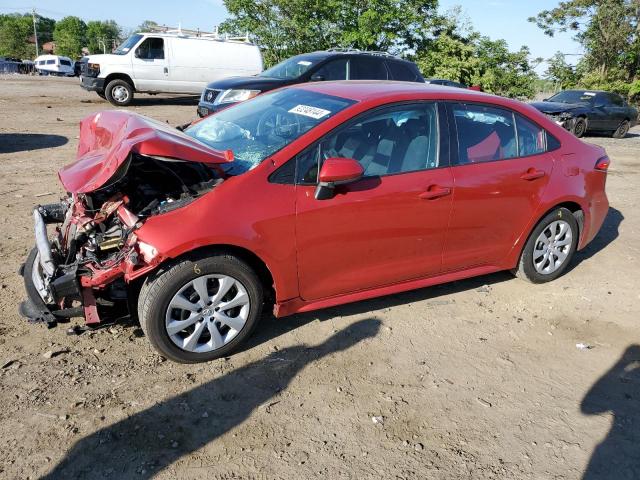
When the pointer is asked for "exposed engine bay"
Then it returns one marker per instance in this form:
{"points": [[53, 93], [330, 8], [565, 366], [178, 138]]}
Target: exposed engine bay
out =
{"points": [[94, 246]]}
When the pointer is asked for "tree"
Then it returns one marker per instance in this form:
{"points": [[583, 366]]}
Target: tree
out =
{"points": [[461, 54], [503, 72], [560, 72], [146, 26], [15, 30], [101, 35], [69, 35], [283, 28], [608, 30]]}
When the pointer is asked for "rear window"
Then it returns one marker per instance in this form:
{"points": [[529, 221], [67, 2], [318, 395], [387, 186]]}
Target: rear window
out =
{"points": [[402, 71], [368, 68]]}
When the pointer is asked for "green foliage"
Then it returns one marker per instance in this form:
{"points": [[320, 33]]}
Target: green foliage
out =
{"points": [[146, 26], [69, 36], [560, 72], [609, 32], [283, 28], [15, 30], [101, 35], [459, 53]]}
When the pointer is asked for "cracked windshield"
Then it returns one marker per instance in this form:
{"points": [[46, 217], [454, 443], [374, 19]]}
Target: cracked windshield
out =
{"points": [[260, 127]]}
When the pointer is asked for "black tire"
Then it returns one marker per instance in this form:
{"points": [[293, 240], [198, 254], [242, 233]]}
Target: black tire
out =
{"points": [[526, 268], [580, 127], [622, 130], [119, 100], [158, 290]]}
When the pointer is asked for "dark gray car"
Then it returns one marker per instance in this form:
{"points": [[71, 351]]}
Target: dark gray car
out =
{"points": [[581, 111], [309, 67]]}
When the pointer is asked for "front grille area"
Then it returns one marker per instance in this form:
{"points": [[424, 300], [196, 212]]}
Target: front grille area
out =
{"points": [[210, 95]]}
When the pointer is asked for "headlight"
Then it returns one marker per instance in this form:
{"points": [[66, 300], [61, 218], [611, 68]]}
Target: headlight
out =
{"points": [[93, 69], [233, 96]]}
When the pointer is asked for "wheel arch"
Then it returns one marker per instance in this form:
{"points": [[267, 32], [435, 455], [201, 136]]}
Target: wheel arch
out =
{"points": [[119, 76], [573, 206], [251, 258]]}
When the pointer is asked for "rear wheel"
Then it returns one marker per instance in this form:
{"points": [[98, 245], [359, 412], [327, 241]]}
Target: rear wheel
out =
{"points": [[550, 247], [119, 93], [622, 130], [580, 127], [200, 309]]}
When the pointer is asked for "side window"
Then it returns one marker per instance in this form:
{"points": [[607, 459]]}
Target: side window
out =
{"points": [[151, 49], [616, 100], [532, 139], [333, 70], [390, 141], [484, 133], [368, 68], [401, 71]]}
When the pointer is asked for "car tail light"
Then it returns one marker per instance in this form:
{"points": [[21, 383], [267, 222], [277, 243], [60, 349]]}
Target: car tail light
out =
{"points": [[603, 164]]}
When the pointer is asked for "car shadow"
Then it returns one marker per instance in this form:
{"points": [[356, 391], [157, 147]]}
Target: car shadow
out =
{"points": [[19, 142], [150, 100], [629, 135], [271, 328], [618, 392], [146, 442]]}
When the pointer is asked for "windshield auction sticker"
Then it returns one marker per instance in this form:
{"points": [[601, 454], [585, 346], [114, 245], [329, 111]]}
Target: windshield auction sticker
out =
{"points": [[308, 111]]}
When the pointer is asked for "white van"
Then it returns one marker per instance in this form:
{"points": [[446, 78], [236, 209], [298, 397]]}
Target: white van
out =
{"points": [[54, 65], [168, 62]]}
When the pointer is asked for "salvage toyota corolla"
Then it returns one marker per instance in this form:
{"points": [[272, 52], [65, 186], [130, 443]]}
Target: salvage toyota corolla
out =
{"points": [[306, 197]]}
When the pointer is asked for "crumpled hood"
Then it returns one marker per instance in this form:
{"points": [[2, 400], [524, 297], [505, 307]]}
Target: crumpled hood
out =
{"points": [[556, 107], [107, 138]]}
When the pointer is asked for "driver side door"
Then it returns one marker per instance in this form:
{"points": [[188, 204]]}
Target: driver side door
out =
{"points": [[150, 65], [386, 228]]}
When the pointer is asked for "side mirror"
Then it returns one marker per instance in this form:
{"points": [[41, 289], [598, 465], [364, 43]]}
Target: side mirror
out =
{"points": [[317, 78], [334, 172], [137, 52]]}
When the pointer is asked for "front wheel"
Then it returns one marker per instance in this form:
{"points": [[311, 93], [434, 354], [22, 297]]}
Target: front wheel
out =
{"points": [[199, 309], [550, 247], [119, 93], [580, 127]]}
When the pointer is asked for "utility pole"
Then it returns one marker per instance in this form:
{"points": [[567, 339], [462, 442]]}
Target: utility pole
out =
{"points": [[35, 30]]}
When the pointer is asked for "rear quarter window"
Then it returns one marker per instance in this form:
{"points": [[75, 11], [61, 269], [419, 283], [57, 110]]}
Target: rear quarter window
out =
{"points": [[365, 68], [403, 72]]}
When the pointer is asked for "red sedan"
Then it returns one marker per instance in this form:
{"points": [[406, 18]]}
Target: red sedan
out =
{"points": [[307, 197]]}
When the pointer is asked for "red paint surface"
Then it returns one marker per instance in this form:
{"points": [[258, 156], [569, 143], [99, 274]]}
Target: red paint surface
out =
{"points": [[377, 236]]}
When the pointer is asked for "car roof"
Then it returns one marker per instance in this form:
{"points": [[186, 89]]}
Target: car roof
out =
{"points": [[363, 90], [321, 54]]}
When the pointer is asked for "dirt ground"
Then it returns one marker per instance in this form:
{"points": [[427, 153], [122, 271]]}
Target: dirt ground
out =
{"points": [[478, 379]]}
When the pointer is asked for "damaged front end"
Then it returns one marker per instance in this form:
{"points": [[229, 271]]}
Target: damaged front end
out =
{"points": [[129, 168]]}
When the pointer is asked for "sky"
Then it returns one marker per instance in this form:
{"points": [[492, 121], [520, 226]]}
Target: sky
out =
{"points": [[494, 18]]}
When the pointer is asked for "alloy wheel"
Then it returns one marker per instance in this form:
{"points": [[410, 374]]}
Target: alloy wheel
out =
{"points": [[207, 313], [552, 247]]}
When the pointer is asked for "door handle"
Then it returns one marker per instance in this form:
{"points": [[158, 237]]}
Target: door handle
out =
{"points": [[166, 69], [532, 174], [435, 191]]}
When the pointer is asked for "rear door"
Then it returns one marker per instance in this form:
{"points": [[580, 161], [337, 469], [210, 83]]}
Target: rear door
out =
{"points": [[387, 227], [150, 65], [500, 168]]}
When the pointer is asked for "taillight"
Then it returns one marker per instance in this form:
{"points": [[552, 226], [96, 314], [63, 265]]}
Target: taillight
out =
{"points": [[603, 164]]}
